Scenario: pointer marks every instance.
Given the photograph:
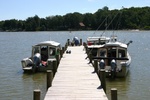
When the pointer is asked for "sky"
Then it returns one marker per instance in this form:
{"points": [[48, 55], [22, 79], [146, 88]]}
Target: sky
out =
{"points": [[22, 9]]}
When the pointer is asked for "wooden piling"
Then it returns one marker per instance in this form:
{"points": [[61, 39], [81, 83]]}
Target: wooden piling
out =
{"points": [[61, 53], [57, 59], [66, 46], [54, 67], [36, 94], [114, 94], [49, 78], [80, 42], [63, 49], [102, 78], [96, 66], [90, 57], [86, 48], [68, 42]]}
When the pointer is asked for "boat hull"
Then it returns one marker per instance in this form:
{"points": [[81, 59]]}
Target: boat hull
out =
{"points": [[122, 73], [28, 65]]}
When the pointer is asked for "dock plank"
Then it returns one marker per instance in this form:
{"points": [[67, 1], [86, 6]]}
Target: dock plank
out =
{"points": [[74, 79]]}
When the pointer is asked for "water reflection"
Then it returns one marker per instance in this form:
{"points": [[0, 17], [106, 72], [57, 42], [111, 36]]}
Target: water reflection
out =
{"points": [[32, 81], [122, 85]]}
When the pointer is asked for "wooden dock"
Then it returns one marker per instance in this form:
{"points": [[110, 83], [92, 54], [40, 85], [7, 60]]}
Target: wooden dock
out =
{"points": [[74, 79]]}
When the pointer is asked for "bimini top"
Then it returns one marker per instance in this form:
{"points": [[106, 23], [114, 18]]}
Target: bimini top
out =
{"points": [[102, 38], [48, 43], [115, 44]]}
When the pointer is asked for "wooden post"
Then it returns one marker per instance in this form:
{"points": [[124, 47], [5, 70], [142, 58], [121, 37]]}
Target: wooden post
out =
{"points": [[102, 78], [80, 42], [63, 49], [114, 94], [90, 57], [96, 66], [36, 94], [85, 47], [87, 51], [57, 59], [49, 78], [54, 67], [61, 53], [68, 42], [66, 46]]}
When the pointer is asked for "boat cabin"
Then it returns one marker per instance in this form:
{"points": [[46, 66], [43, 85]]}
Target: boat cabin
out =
{"points": [[47, 49], [112, 51]]}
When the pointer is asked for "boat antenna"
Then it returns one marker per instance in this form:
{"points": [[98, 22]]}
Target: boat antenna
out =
{"points": [[101, 24], [118, 21], [110, 23]]}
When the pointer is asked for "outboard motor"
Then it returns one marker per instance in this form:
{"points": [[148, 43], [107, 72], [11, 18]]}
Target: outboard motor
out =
{"points": [[36, 61], [102, 64], [113, 65], [113, 68]]}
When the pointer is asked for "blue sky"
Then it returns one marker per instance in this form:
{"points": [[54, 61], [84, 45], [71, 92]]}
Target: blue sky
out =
{"points": [[22, 9]]}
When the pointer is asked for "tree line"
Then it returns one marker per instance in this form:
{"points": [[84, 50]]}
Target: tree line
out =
{"points": [[102, 19]]}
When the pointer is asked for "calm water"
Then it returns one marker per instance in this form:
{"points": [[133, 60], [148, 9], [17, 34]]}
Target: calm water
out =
{"points": [[14, 46]]}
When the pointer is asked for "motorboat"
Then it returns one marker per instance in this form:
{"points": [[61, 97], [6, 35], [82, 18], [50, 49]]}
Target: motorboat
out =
{"points": [[114, 58], [42, 53]]}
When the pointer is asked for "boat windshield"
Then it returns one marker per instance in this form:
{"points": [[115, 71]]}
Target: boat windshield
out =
{"points": [[35, 49], [44, 53], [52, 52], [102, 53], [121, 53]]}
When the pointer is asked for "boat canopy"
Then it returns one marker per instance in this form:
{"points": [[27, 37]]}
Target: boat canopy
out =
{"points": [[95, 46], [97, 38], [48, 43], [115, 44]]}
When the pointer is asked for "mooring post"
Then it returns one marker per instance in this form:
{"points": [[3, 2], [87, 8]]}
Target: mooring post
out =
{"points": [[96, 66], [57, 59], [61, 53], [54, 67], [90, 57], [36, 94], [66, 46], [114, 94], [102, 78], [68, 42], [63, 49], [87, 50], [80, 42], [49, 78], [85, 46]]}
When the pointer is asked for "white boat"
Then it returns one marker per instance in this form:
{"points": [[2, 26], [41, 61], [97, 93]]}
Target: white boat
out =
{"points": [[114, 58], [41, 54], [93, 43]]}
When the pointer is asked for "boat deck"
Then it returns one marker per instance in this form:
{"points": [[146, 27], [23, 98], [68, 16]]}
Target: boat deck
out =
{"points": [[74, 79]]}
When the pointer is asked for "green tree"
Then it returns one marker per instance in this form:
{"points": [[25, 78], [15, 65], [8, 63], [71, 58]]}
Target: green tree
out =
{"points": [[102, 19], [89, 21]]}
